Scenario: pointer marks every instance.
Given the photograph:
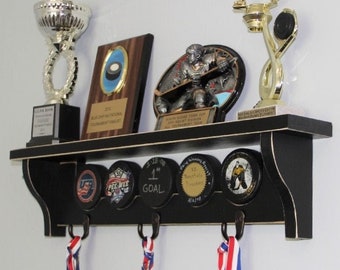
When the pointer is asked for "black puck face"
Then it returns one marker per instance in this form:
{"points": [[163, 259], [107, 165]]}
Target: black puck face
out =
{"points": [[197, 179], [88, 187], [120, 188], [241, 175], [156, 181], [284, 25]]}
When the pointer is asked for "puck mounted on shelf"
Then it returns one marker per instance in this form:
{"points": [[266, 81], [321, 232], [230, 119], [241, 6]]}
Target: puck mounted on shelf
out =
{"points": [[121, 185], [198, 175], [157, 181], [241, 175], [88, 187]]}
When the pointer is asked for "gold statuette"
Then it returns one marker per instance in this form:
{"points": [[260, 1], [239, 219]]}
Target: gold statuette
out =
{"points": [[257, 18]]}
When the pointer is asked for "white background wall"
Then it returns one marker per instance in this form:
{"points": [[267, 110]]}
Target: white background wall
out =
{"points": [[312, 74]]}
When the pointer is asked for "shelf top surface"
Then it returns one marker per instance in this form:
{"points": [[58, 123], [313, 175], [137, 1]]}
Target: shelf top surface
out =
{"points": [[181, 139]]}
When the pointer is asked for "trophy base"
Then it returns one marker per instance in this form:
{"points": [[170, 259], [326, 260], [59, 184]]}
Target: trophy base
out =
{"points": [[188, 118], [54, 123], [267, 111]]}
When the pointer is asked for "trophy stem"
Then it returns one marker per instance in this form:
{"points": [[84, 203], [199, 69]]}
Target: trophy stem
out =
{"points": [[60, 95], [271, 79]]}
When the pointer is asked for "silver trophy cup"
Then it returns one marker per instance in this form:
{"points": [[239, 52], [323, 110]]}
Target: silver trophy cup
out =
{"points": [[62, 23]]}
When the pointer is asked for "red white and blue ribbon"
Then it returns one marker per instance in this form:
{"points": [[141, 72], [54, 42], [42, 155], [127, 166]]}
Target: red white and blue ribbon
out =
{"points": [[229, 255], [72, 258], [148, 246]]}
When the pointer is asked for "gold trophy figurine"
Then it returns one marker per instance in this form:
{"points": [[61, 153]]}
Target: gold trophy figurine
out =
{"points": [[257, 18]]}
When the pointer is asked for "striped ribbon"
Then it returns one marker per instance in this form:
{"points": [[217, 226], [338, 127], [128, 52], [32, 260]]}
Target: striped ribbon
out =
{"points": [[148, 246], [72, 259], [229, 255]]}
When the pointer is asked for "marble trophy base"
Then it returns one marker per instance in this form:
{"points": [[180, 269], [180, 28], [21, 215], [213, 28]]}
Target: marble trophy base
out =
{"points": [[54, 123], [264, 110]]}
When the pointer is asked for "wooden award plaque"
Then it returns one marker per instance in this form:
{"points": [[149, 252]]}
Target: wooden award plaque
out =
{"points": [[117, 88]]}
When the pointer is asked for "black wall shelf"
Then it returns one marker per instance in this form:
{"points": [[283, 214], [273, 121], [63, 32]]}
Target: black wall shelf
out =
{"points": [[285, 195]]}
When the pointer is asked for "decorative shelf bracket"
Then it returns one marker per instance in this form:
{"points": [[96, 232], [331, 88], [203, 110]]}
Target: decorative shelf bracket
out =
{"points": [[288, 162]]}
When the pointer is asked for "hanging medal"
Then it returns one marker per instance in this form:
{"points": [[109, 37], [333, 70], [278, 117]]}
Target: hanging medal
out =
{"points": [[148, 243], [229, 255], [73, 247], [148, 247], [72, 258]]}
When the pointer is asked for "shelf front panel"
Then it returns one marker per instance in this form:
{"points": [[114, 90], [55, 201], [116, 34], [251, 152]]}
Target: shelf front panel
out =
{"points": [[207, 137]]}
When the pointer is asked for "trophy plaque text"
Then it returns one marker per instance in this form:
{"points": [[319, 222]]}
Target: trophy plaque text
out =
{"points": [[117, 88], [54, 123]]}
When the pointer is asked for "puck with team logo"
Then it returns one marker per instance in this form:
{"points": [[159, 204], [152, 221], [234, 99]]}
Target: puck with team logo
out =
{"points": [[241, 175], [157, 181], [197, 178], [120, 187], [88, 186]]}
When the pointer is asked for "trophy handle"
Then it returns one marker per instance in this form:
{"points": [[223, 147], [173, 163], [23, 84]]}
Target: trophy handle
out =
{"points": [[60, 95]]}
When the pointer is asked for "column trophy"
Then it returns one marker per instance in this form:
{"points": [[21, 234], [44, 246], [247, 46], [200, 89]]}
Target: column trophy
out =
{"points": [[61, 22], [257, 18]]}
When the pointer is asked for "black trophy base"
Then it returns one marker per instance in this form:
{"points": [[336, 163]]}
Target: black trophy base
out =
{"points": [[54, 123]]}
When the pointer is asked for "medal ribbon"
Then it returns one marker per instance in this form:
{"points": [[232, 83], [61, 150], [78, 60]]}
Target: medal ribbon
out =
{"points": [[72, 258], [229, 255], [148, 246]]}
